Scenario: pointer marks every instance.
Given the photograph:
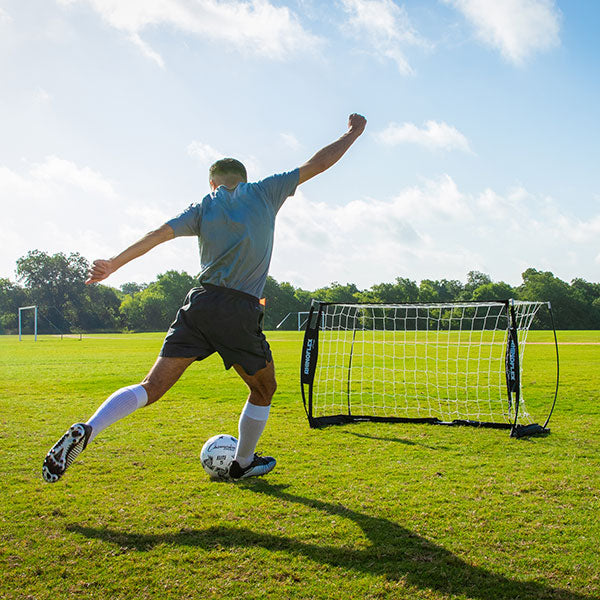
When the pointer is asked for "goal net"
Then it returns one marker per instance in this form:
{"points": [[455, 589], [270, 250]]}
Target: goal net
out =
{"points": [[446, 363]]}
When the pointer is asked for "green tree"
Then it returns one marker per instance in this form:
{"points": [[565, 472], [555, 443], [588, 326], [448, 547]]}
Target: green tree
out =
{"points": [[589, 295], [402, 290], [337, 292], [155, 307], [443, 290], [12, 296], [98, 309], [56, 284], [493, 291], [585, 291], [303, 298], [475, 279], [570, 312], [131, 313], [281, 300], [133, 288]]}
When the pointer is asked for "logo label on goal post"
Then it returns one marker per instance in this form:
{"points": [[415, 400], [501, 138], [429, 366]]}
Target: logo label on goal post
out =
{"points": [[513, 382], [310, 358], [308, 351], [512, 365]]}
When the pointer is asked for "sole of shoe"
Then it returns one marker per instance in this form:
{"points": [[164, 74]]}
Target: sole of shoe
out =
{"points": [[64, 452]]}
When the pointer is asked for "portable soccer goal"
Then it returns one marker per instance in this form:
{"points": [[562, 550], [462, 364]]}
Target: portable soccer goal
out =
{"points": [[456, 363]]}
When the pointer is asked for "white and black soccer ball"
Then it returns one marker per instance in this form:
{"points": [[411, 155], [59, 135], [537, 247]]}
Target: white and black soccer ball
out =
{"points": [[217, 455]]}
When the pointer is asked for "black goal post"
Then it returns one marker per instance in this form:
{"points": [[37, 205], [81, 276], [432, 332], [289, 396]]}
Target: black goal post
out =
{"points": [[454, 363]]}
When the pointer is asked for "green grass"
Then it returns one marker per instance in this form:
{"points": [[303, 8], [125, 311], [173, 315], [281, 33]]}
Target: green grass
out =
{"points": [[353, 512]]}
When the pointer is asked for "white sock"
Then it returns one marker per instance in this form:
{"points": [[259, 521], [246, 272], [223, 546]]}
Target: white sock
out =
{"points": [[250, 427], [118, 405]]}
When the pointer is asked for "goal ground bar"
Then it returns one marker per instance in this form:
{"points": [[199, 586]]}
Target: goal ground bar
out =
{"points": [[517, 432]]}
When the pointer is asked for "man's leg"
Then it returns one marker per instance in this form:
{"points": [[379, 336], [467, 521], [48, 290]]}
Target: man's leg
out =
{"points": [[252, 423], [162, 376]]}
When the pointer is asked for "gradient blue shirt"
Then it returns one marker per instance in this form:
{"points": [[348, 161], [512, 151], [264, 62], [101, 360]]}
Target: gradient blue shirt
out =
{"points": [[235, 230]]}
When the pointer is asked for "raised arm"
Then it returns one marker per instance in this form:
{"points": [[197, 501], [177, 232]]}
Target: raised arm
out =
{"points": [[101, 269], [328, 156]]}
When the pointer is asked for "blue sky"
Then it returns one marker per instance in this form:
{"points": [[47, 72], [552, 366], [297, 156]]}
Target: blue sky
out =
{"points": [[481, 150]]}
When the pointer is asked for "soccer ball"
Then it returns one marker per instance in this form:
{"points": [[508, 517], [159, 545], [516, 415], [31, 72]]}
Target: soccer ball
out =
{"points": [[217, 455]]}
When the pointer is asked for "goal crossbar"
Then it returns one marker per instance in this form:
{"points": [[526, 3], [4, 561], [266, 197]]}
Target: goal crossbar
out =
{"points": [[455, 363]]}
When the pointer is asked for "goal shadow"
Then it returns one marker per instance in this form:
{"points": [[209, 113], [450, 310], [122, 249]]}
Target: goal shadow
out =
{"points": [[396, 440], [395, 553]]}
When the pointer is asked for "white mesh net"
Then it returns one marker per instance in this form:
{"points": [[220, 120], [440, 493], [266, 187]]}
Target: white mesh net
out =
{"points": [[442, 361]]}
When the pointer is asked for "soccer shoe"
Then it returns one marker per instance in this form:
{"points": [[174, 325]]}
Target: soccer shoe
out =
{"points": [[65, 451], [260, 465]]}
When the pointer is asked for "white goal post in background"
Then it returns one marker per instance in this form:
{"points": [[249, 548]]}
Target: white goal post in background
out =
{"points": [[302, 317], [456, 363], [35, 320]]}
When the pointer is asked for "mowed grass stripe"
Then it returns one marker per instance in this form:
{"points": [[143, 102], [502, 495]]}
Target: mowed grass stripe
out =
{"points": [[364, 511]]}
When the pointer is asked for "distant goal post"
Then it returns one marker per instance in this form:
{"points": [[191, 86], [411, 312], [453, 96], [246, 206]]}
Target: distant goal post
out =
{"points": [[35, 320], [301, 318], [455, 363]]}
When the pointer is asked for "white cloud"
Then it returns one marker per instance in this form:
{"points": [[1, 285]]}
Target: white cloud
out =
{"points": [[433, 135], [204, 153], [146, 50], [254, 27], [385, 26], [41, 96], [431, 231], [60, 172], [518, 28], [4, 17], [290, 140], [59, 206]]}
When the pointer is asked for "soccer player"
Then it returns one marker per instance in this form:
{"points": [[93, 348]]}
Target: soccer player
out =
{"points": [[235, 226]]}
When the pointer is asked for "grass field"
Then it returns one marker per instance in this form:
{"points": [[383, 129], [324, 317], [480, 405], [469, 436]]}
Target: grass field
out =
{"points": [[352, 512]]}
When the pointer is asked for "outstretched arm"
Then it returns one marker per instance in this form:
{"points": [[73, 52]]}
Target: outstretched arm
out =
{"points": [[329, 155], [101, 269]]}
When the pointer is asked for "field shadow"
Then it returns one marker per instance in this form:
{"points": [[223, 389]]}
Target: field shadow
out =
{"points": [[395, 553], [396, 440]]}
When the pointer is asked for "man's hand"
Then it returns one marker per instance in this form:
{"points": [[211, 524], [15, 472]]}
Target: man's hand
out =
{"points": [[356, 124], [99, 270]]}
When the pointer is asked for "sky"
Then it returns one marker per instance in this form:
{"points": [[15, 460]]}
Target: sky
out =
{"points": [[481, 150]]}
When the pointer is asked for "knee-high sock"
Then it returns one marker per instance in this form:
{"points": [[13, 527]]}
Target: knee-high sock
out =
{"points": [[118, 405], [250, 427]]}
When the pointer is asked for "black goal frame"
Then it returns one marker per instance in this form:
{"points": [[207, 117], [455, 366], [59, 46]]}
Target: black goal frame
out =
{"points": [[309, 361]]}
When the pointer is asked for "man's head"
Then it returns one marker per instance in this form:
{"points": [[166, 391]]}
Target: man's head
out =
{"points": [[228, 172]]}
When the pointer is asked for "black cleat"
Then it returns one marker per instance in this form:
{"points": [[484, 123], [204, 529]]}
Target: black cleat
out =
{"points": [[260, 465], [65, 451]]}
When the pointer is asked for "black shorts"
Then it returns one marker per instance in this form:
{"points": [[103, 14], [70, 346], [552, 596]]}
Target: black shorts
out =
{"points": [[223, 320]]}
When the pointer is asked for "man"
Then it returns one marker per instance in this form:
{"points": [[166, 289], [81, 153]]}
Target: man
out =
{"points": [[235, 226]]}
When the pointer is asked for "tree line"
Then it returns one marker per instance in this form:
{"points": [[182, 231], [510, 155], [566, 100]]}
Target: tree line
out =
{"points": [[55, 283]]}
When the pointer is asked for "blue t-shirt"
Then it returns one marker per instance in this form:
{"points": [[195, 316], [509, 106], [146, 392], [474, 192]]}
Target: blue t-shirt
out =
{"points": [[235, 231]]}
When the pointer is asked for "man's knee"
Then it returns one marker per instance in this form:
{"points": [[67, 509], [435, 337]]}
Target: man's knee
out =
{"points": [[270, 388], [262, 391], [162, 376]]}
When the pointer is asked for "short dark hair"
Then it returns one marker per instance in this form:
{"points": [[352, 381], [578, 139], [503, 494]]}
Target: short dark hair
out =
{"points": [[228, 166]]}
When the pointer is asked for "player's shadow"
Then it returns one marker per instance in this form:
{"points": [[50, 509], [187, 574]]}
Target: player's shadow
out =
{"points": [[395, 553]]}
